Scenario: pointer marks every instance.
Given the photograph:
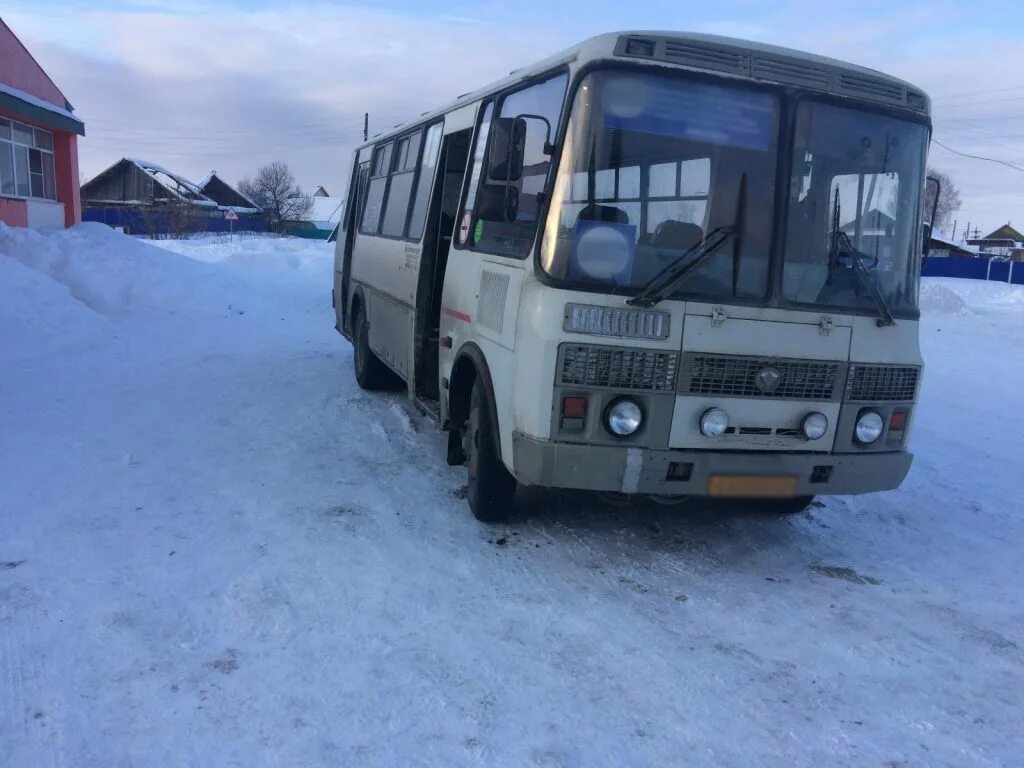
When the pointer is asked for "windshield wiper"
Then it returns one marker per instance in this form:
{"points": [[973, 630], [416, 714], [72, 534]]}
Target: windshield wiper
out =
{"points": [[885, 314], [676, 272], [670, 277], [840, 245]]}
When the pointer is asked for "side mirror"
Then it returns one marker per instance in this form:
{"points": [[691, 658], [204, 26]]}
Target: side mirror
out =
{"points": [[932, 180], [507, 148]]}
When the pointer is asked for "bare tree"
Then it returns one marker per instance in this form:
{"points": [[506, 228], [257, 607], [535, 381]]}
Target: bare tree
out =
{"points": [[275, 191], [949, 199]]}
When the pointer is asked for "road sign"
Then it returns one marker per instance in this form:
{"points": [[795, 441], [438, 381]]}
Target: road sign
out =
{"points": [[230, 214]]}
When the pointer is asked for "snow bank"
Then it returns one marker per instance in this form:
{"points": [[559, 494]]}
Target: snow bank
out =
{"points": [[113, 274], [62, 285], [943, 295], [941, 300]]}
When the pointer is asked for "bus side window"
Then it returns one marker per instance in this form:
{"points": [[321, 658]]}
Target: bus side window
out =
{"points": [[375, 193], [511, 233], [396, 209], [427, 171]]}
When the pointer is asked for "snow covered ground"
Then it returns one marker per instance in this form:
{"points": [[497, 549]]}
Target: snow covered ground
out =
{"points": [[216, 551]]}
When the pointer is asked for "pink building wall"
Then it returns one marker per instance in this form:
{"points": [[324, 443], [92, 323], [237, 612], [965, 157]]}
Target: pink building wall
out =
{"points": [[20, 70]]}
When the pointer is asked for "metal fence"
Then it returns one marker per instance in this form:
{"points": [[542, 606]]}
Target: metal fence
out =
{"points": [[975, 269], [136, 222]]}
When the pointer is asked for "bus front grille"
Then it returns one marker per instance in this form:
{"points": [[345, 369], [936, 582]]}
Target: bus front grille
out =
{"points": [[736, 376], [886, 383], [592, 365]]}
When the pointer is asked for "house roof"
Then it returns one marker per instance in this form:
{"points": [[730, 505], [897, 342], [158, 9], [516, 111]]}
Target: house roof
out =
{"points": [[177, 185], [225, 195], [321, 192], [172, 184], [1005, 232]]}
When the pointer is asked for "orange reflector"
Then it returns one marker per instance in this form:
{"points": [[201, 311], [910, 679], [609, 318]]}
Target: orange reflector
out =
{"points": [[574, 407], [898, 420]]}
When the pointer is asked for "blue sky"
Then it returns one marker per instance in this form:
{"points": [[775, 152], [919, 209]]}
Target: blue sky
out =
{"points": [[199, 85]]}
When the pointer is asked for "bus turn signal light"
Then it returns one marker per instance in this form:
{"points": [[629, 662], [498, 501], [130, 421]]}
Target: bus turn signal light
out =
{"points": [[898, 421], [574, 407], [574, 414]]}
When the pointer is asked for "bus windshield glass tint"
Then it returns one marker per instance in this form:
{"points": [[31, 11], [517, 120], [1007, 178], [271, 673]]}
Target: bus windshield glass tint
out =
{"points": [[653, 167]]}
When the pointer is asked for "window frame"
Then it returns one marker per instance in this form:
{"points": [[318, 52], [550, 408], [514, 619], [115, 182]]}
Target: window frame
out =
{"points": [[10, 145], [395, 140], [497, 98], [793, 101], [789, 100]]}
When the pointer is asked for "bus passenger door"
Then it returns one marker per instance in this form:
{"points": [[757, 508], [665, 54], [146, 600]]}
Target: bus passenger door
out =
{"points": [[437, 240], [357, 191]]}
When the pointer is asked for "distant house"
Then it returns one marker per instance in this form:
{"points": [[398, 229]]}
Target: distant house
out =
{"points": [[321, 192], [322, 219], [38, 143], [940, 246], [140, 183], [226, 196], [873, 233], [1006, 242], [143, 197]]}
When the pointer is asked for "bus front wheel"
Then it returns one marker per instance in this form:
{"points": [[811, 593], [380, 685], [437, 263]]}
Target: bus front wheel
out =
{"points": [[491, 488]]}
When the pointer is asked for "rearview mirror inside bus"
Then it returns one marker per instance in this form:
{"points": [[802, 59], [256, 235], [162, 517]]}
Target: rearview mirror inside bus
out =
{"points": [[508, 146]]}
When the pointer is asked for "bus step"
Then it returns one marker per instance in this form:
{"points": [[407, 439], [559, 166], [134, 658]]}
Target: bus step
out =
{"points": [[430, 408]]}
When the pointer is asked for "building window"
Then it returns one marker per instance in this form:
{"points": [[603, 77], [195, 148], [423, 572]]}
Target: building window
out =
{"points": [[26, 161]]}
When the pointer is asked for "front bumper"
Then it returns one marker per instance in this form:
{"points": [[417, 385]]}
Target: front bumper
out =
{"points": [[642, 470]]}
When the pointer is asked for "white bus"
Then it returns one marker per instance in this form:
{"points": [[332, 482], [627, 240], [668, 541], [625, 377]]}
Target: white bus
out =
{"points": [[657, 263]]}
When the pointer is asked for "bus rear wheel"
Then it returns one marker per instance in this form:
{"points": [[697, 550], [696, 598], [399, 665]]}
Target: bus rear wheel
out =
{"points": [[371, 373], [491, 487]]}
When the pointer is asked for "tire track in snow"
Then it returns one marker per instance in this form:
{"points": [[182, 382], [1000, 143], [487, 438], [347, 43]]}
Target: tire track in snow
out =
{"points": [[31, 712]]}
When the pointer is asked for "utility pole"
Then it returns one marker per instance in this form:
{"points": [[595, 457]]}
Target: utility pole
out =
{"points": [[366, 126], [953, 236]]}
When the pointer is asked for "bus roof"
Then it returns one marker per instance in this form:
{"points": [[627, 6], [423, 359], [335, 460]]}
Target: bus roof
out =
{"points": [[725, 56]]}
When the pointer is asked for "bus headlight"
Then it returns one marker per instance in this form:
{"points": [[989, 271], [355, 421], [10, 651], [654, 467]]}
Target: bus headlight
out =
{"points": [[623, 417], [869, 427], [814, 426], [714, 422]]}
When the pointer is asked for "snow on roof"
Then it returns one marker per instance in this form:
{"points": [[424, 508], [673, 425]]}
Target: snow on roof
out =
{"points": [[938, 236], [35, 101], [326, 211], [177, 185]]}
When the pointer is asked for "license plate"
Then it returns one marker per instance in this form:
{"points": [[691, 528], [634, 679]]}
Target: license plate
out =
{"points": [[752, 486]]}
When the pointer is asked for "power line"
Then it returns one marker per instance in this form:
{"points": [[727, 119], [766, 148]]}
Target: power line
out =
{"points": [[978, 157]]}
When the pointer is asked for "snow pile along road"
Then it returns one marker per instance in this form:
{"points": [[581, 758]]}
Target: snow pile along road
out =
{"points": [[215, 550]]}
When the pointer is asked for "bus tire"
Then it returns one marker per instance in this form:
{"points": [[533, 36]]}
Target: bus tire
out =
{"points": [[491, 487], [371, 373]]}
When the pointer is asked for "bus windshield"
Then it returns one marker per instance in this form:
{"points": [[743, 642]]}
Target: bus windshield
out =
{"points": [[652, 165], [854, 202]]}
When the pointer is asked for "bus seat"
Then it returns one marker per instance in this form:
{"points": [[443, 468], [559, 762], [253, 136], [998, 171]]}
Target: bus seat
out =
{"points": [[609, 213], [677, 235]]}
